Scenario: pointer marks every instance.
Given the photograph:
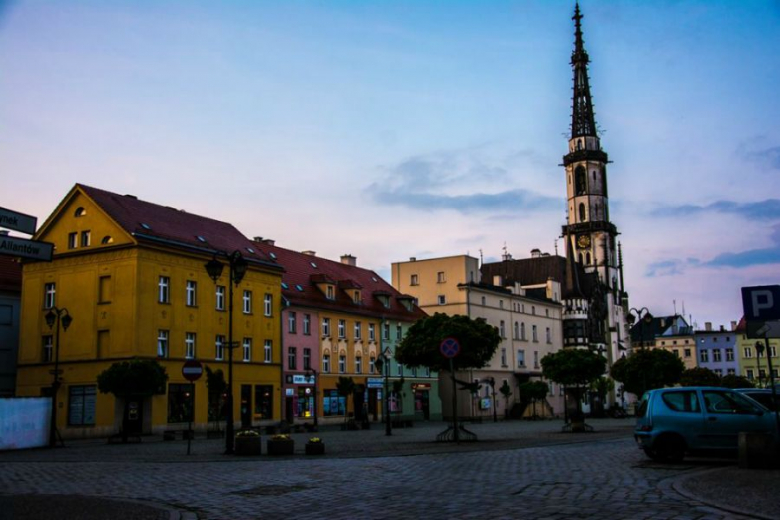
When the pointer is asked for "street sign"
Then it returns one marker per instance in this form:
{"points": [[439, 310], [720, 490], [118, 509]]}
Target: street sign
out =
{"points": [[12, 246], [192, 370], [449, 347], [17, 221], [761, 305]]}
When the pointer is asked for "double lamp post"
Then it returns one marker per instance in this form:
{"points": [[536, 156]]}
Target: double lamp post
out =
{"points": [[59, 317], [384, 368], [237, 267]]}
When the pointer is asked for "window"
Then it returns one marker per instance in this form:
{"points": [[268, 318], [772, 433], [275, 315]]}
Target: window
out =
{"points": [[548, 335], [520, 358], [372, 365], [773, 351], [533, 334], [164, 287], [442, 299], [162, 343], [427, 372], [85, 238], [356, 297], [371, 332], [220, 298], [108, 239], [516, 331], [536, 359], [704, 356], [326, 327], [49, 295], [247, 302], [267, 355], [358, 365], [333, 403], [264, 401], [189, 345], [415, 280], [329, 292], [500, 304], [483, 300], [73, 240], [268, 302], [357, 330], [685, 401], [342, 364], [716, 355], [502, 329], [80, 212], [729, 354], [291, 322], [723, 402], [719, 371], [104, 289], [522, 331], [503, 357], [687, 352], [219, 347], [247, 347], [440, 278], [292, 354], [192, 293], [749, 373], [307, 324], [326, 363], [676, 352], [731, 371], [48, 348], [414, 371], [81, 405], [386, 331], [399, 332], [306, 358], [748, 352], [180, 402], [399, 369], [342, 328]]}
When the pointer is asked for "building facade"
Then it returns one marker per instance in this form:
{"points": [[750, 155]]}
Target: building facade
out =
{"points": [[717, 350], [10, 304], [752, 355], [131, 275]]}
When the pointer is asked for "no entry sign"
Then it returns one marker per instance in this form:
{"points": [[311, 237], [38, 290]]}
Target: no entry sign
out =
{"points": [[192, 370]]}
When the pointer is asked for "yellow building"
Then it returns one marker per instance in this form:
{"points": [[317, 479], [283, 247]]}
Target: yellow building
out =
{"points": [[132, 277]]}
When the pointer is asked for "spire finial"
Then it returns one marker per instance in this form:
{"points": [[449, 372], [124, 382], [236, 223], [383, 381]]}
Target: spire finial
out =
{"points": [[582, 121]]}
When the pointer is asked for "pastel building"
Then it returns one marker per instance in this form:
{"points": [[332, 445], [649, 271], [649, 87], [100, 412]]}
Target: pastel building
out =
{"points": [[671, 333], [716, 349], [752, 355]]}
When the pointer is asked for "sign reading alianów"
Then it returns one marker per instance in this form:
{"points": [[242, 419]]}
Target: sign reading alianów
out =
{"points": [[12, 246], [17, 221]]}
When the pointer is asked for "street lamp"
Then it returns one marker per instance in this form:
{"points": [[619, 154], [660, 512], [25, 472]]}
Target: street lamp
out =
{"points": [[309, 373], [644, 318], [380, 364], [759, 352], [237, 266], [58, 316]]}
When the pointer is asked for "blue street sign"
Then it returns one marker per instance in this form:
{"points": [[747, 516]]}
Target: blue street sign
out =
{"points": [[761, 303]]}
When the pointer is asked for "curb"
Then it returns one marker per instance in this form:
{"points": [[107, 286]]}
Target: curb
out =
{"points": [[677, 485]]}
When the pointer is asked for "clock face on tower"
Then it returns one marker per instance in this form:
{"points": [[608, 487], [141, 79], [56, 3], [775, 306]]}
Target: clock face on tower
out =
{"points": [[583, 241]]}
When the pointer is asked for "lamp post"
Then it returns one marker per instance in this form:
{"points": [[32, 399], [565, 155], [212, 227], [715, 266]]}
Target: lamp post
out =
{"points": [[237, 267], [644, 318], [309, 373], [58, 316], [385, 364], [759, 352]]}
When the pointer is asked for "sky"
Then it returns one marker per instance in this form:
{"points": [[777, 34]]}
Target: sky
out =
{"points": [[397, 129]]}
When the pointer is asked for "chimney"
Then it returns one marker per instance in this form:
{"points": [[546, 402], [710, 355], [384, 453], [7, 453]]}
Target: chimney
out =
{"points": [[722, 328], [412, 259], [348, 260], [309, 253], [498, 281], [535, 253], [708, 326], [506, 256], [733, 325], [258, 239], [269, 241]]}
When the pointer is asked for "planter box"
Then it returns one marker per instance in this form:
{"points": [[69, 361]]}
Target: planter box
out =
{"points": [[283, 447], [315, 448], [247, 445]]}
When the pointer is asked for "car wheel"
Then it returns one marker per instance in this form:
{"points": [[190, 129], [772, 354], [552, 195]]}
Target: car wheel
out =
{"points": [[651, 454], [669, 448]]}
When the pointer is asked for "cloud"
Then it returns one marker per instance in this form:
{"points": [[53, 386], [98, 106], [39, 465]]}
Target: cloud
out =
{"points": [[768, 156], [768, 209], [470, 180]]}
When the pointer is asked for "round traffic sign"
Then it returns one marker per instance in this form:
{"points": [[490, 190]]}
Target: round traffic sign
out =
{"points": [[449, 347], [192, 370]]}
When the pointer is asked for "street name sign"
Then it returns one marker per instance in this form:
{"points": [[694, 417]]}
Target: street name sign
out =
{"points": [[12, 246], [17, 221], [761, 305]]}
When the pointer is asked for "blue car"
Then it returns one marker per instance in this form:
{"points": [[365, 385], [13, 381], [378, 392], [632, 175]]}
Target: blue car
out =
{"points": [[672, 422]]}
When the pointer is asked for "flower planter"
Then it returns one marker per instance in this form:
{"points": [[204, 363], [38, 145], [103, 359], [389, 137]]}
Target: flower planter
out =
{"points": [[315, 448], [280, 447], [248, 445]]}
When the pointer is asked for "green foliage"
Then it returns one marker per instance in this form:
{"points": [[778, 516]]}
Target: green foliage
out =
{"points": [[602, 386], [699, 376], [534, 390], [215, 382], [505, 390], [398, 385], [420, 347], [134, 378], [646, 369], [573, 367], [734, 381]]}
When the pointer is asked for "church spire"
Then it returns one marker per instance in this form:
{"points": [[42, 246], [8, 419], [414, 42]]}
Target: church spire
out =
{"points": [[582, 121]]}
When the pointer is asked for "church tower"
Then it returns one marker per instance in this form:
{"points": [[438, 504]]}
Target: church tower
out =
{"points": [[590, 236]]}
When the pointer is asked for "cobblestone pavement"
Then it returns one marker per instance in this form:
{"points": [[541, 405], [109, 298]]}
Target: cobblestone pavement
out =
{"points": [[601, 477]]}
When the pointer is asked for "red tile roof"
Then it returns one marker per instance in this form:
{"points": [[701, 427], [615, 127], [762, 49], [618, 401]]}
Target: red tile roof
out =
{"points": [[301, 277], [151, 222], [10, 274]]}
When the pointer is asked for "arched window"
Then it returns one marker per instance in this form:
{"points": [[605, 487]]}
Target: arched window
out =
{"points": [[587, 258], [583, 217], [80, 212], [580, 180], [108, 239]]}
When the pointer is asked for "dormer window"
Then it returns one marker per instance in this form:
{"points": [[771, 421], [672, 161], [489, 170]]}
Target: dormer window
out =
{"points": [[329, 293], [356, 297]]}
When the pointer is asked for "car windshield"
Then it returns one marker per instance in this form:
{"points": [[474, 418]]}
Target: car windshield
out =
{"points": [[719, 401]]}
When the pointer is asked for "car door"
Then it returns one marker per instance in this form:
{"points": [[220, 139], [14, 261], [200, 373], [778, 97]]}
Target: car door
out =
{"points": [[726, 415]]}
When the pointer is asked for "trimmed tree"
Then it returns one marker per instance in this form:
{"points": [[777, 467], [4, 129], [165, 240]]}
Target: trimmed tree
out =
{"points": [[646, 369], [137, 378], [576, 369], [506, 391], [534, 391], [217, 387], [699, 376], [345, 387]]}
